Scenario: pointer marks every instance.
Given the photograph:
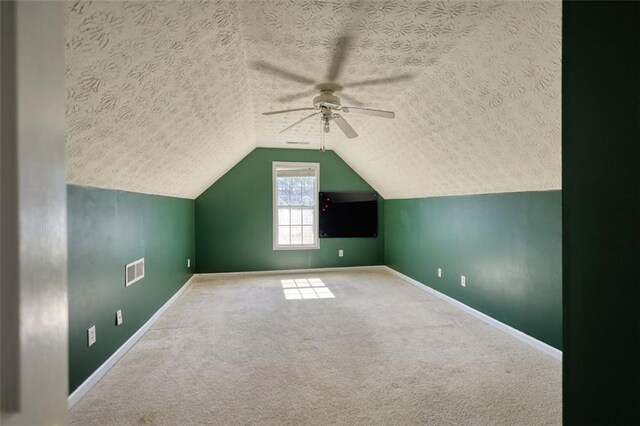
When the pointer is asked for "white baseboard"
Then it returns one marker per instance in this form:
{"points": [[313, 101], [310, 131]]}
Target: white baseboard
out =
{"points": [[531, 341], [291, 271], [111, 361]]}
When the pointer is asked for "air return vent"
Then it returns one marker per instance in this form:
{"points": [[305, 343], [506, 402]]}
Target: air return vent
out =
{"points": [[134, 272]]}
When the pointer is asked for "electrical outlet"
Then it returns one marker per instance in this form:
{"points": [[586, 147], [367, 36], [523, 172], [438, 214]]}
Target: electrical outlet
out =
{"points": [[340, 253], [463, 281], [91, 335], [119, 317], [439, 272], [188, 263]]}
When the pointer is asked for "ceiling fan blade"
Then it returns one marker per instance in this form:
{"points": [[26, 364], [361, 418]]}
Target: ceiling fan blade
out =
{"points": [[299, 121], [339, 55], [369, 111], [299, 95], [382, 80], [344, 126], [287, 110], [351, 99], [265, 66]]}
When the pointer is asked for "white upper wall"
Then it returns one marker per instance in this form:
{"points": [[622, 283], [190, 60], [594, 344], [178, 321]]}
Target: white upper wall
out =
{"points": [[162, 97]]}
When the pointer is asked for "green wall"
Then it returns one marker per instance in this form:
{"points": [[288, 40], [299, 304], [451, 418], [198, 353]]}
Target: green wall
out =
{"points": [[234, 218], [601, 208], [108, 229], [508, 246]]}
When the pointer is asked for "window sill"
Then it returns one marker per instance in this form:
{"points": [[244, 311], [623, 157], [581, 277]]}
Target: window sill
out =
{"points": [[289, 248]]}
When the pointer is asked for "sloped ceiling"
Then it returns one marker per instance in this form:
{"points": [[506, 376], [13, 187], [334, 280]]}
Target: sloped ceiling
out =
{"points": [[163, 97]]}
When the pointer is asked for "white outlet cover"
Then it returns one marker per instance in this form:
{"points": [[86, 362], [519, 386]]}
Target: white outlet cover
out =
{"points": [[91, 335], [188, 263], [119, 317], [463, 281], [439, 272], [340, 253]]}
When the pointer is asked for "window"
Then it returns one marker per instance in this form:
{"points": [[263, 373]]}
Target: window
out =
{"points": [[295, 206]]}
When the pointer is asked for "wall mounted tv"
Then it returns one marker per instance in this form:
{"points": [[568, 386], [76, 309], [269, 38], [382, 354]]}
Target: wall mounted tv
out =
{"points": [[348, 214]]}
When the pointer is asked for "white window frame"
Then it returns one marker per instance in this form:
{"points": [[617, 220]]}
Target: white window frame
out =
{"points": [[316, 191]]}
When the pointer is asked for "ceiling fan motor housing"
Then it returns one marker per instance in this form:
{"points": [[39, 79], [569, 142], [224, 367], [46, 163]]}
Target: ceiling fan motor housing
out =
{"points": [[326, 98]]}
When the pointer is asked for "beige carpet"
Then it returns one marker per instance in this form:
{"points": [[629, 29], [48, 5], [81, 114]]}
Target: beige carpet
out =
{"points": [[236, 351]]}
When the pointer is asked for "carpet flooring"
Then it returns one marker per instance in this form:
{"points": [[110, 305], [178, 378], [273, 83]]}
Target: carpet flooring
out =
{"points": [[347, 348]]}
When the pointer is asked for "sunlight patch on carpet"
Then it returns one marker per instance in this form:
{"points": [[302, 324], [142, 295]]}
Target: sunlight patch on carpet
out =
{"points": [[305, 288]]}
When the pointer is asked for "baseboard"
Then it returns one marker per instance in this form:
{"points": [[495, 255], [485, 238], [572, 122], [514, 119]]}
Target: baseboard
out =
{"points": [[91, 381], [291, 271], [531, 341], [111, 361]]}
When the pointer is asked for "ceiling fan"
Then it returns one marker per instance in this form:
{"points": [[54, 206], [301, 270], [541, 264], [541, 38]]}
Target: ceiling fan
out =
{"points": [[327, 104]]}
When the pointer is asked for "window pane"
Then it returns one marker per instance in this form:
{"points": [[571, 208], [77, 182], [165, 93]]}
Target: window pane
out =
{"points": [[283, 235], [283, 191], [307, 235], [307, 216], [283, 216], [296, 195], [296, 235], [296, 216], [308, 198], [296, 191]]}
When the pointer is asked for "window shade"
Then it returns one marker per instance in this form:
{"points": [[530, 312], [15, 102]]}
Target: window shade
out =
{"points": [[296, 172]]}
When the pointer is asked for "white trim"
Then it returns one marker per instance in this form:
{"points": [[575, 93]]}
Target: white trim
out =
{"points": [[286, 164], [110, 362], [525, 338], [531, 341], [291, 271], [91, 381]]}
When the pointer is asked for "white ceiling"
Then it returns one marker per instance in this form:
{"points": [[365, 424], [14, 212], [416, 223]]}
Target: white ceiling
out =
{"points": [[163, 97]]}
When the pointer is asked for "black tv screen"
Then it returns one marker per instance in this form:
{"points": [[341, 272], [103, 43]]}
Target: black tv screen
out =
{"points": [[348, 214]]}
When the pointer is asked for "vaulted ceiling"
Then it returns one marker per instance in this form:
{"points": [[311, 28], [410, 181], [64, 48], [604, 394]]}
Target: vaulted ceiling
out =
{"points": [[165, 97]]}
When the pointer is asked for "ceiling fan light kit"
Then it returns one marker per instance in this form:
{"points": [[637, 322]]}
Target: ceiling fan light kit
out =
{"points": [[327, 103]]}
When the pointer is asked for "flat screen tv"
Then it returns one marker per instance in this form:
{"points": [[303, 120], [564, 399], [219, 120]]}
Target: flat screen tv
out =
{"points": [[348, 214]]}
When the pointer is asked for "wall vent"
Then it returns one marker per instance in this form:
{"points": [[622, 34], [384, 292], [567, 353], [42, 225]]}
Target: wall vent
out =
{"points": [[134, 272]]}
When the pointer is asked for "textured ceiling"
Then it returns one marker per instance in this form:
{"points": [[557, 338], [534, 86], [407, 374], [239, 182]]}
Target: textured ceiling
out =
{"points": [[163, 97], [157, 95]]}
